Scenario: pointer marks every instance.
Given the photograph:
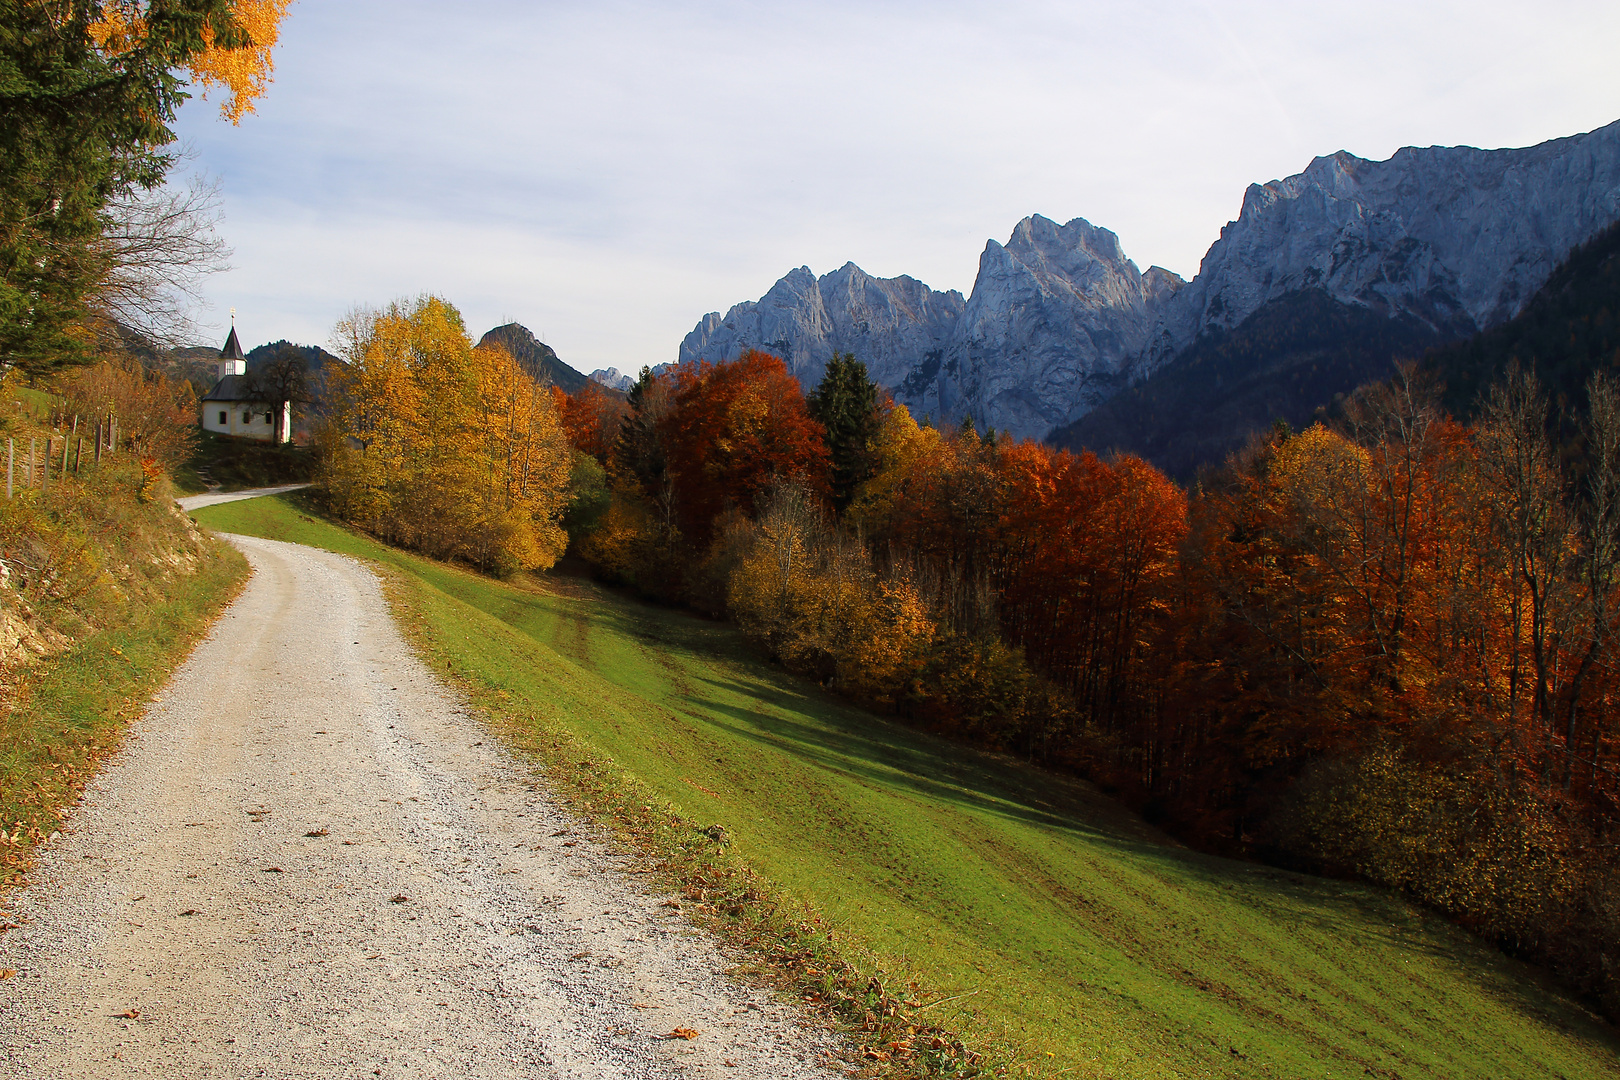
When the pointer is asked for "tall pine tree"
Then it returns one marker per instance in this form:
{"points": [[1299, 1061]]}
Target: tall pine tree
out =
{"points": [[847, 403]]}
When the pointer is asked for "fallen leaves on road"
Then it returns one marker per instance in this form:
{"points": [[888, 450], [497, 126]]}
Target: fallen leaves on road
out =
{"points": [[191, 911], [643, 1005], [6, 973], [274, 870], [323, 831], [580, 955], [128, 1014], [682, 1033], [398, 898]]}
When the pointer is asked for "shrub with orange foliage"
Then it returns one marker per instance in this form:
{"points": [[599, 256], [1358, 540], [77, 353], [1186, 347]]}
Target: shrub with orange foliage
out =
{"points": [[156, 415]]}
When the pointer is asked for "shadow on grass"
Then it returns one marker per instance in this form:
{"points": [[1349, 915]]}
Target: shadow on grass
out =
{"points": [[1259, 923]]}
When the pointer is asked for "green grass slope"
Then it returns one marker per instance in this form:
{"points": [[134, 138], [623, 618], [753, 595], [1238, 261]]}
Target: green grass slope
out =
{"points": [[1050, 925]]}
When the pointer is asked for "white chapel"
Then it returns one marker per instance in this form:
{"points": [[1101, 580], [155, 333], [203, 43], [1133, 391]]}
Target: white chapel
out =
{"points": [[236, 407]]}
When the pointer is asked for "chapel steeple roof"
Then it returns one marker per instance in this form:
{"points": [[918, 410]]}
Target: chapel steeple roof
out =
{"points": [[233, 348]]}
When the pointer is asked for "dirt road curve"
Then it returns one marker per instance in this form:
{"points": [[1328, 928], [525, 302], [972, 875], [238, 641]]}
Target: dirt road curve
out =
{"points": [[309, 862], [197, 502]]}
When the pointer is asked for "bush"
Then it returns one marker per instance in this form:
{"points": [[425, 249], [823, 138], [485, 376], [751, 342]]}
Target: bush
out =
{"points": [[808, 593], [1499, 854]]}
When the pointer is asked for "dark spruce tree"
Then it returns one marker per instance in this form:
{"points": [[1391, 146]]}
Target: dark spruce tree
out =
{"points": [[638, 460], [846, 404], [77, 129]]}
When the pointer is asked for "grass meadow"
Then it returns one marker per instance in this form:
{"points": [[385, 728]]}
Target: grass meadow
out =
{"points": [[1035, 918]]}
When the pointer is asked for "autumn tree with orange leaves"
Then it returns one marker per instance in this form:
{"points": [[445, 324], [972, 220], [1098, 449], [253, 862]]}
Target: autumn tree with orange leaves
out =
{"points": [[736, 430]]}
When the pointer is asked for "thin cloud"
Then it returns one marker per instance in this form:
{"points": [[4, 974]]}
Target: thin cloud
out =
{"points": [[615, 171]]}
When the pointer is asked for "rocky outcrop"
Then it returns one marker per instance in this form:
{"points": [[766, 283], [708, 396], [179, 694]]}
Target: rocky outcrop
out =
{"points": [[894, 325], [1057, 317]]}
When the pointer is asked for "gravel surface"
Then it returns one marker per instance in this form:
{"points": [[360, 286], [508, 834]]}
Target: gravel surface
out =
{"points": [[310, 861], [213, 498]]}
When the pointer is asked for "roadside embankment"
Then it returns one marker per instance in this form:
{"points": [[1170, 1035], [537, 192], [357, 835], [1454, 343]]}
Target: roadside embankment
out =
{"points": [[104, 587]]}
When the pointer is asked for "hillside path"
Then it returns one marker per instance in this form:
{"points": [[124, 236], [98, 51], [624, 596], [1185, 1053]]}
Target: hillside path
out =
{"points": [[309, 860], [214, 498]]}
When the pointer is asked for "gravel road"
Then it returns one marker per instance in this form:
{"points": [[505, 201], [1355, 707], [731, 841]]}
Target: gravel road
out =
{"points": [[213, 498], [309, 860]]}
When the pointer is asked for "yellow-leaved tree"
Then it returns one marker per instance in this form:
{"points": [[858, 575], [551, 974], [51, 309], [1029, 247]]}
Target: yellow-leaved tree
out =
{"points": [[434, 445], [525, 466]]}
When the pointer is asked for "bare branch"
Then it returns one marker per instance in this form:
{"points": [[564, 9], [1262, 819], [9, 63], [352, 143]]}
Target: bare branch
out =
{"points": [[160, 245]]}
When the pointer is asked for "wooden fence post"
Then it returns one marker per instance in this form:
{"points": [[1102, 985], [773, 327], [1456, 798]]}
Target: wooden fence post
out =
{"points": [[29, 468], [78, 455], [45, 473]]}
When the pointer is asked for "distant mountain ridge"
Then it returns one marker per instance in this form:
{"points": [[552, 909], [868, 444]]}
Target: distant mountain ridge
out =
{"points": [[1569, 330], [535, 356], [1443, 241], [892, 324]]}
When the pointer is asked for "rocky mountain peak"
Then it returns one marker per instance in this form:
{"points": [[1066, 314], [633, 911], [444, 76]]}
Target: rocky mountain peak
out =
{"points": [[1457, 237], [1056, 316], [887, 322], [612, 378], [1446, 240]]}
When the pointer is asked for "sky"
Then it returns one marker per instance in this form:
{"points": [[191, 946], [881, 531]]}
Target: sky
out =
{"points": [[607, 172]]}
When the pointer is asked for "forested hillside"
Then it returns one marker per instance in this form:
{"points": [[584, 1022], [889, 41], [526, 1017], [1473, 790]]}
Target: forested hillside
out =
{"points": [[1381, 648], [1288, 361], [1568, 331]]}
